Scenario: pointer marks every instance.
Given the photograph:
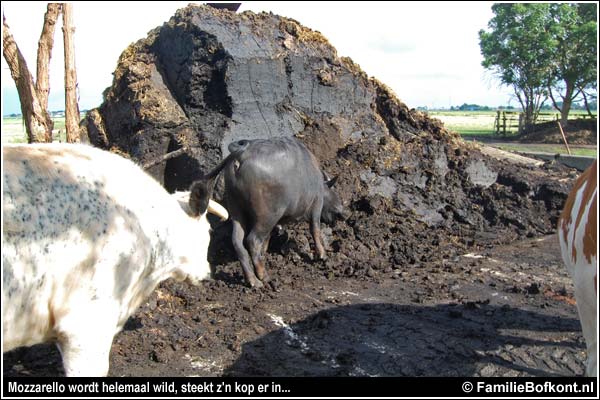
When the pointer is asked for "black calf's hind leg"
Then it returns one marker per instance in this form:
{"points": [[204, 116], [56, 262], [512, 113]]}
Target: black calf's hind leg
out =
{"points": [[266, 244], [237, 237], [315, 227], [258, 240], [279, 230]]}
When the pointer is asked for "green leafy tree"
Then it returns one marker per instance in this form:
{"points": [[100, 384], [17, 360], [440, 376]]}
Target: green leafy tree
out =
{"points": [[589, 84], [514, 48], [543, 50], [573, 55]]}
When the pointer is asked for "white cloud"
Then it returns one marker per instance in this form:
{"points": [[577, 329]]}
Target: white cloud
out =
{"points": [[427, 52]]}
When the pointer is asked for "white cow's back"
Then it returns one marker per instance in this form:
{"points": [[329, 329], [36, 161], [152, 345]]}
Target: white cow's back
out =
{"points": [[87, 236]]}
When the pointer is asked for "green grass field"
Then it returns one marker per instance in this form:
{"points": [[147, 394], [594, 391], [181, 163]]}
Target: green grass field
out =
{"points": [[467, 123], [13, 130], [481, 123]]}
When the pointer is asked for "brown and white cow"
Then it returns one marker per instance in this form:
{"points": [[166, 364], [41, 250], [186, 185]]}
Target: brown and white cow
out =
{"points": [[87, 236], [577, 232]]}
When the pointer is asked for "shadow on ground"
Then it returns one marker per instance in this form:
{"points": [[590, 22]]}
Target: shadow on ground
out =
{"points": [[397, 340]]}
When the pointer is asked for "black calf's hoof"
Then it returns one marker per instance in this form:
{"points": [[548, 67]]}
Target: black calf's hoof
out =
{"points": [[256, 284], [265, 278]]}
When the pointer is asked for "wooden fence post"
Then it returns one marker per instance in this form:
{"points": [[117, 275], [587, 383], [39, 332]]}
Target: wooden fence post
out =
{"points": [[521, 119], [564, 137], [497, 122]]}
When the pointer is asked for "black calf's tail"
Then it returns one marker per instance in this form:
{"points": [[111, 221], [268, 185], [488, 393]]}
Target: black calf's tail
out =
{"points": [[202, 189]]}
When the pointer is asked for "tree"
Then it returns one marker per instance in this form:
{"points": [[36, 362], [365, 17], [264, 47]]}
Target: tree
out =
{"points": [[45, 45], [33, 97], [592, 103], [543, 50], [514, 49], [71, 107], [573, 56], [589, 84]]}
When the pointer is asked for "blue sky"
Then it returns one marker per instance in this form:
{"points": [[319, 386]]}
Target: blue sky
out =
{"points": [[428, 53]]}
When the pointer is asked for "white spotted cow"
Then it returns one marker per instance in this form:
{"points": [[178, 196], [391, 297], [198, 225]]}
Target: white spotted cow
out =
{"points": [[577, 232], [87, 236]]}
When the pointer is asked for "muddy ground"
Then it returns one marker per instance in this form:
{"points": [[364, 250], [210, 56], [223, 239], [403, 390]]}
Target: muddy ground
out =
{"points": [[499, 311]]}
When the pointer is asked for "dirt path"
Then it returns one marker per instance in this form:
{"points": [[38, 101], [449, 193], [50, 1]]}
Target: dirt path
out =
{"points": [[549, 147], [506, 311]]}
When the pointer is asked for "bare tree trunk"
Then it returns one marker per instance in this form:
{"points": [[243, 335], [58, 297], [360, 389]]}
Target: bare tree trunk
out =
{"points": [[554, 103], [527, 102], [585, 102], [37, 120], [571, 92], [566, 106], [45, 44], [71, 106], [166, 157]]}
